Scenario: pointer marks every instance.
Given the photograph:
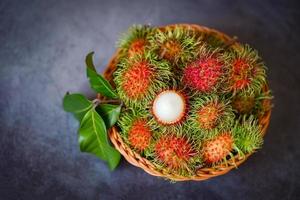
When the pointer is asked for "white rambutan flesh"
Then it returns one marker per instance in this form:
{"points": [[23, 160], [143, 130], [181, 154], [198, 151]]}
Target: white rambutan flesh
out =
{"points": [[169, 107]]}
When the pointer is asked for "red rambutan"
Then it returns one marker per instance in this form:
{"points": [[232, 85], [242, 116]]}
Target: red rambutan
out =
{"points": [[137, 79], [246, 69], [139, 135], [216, 149], [241, 74], [203, 74], [174, 151]]}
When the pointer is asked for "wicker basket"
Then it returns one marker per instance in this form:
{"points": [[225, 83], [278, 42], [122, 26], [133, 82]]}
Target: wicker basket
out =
{"points": [[203, 173]]}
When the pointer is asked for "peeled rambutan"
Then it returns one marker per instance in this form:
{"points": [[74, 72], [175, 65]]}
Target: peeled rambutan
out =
{"points": [[203, 74], [136, 79], [173, 151], [218, 148], [169, 107], [139, 135]]}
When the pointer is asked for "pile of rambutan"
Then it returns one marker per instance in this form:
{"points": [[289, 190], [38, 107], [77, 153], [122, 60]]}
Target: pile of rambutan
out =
{"points": [[190, 100]]}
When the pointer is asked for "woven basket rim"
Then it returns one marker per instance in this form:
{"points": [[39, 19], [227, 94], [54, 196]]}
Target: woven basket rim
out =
{"points": [[203, 173]]}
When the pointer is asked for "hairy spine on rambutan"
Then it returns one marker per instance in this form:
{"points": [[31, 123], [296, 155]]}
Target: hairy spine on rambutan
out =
{"points": [[136, 47], [243, 104], [248, 135], [207, 72], [137, 79], [210, 112], [252, 104], [173, 151], [139, 134], [170, 107], [216, 149], [135, 41], [247, 71], [140, 78], [136, 129], [175, 44]]}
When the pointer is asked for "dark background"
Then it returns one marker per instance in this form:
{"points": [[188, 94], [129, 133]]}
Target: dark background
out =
{"points": [[42, 49]]}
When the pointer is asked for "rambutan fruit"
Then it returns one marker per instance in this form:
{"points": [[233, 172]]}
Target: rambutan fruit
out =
{"points": [[169, 107], [140, 78], [243, 104], [137, 130], [251, 104], [210, 112], [217, 148], [173, 151], [136, 47], [175, 44], [139, 135], [206, 73], [135, 41], [248, 135], [247, 71]]}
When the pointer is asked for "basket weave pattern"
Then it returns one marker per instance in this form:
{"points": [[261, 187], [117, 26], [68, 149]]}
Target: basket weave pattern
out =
{"points": [[202, 173]]}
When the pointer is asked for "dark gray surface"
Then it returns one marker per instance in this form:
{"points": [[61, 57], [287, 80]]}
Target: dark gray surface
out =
{"points": [[42, 50]]}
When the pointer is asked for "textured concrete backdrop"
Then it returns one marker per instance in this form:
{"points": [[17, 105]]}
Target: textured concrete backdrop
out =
{"points": [[42, 49]]}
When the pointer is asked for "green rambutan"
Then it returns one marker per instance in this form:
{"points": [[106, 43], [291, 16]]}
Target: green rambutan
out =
{"points": [[216, 149], [210, 112], [135, 41], [173, 151], [248, 135], [247, 71], [206, 73], [140, 78], [175, 44], [137, 131]]}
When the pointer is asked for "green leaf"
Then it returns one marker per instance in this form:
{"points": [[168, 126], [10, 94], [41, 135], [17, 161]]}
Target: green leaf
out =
{"points": [[98, 82], [93, 139], [77, 104], [109, 113]]}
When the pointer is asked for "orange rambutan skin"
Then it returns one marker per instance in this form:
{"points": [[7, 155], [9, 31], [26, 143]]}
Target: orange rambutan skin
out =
{"points": [[241, 74], [173, 151], [170, 49], [136, 80], [136, 47], [208, 116], [139, 135], [204, 74], [218, 148]]}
